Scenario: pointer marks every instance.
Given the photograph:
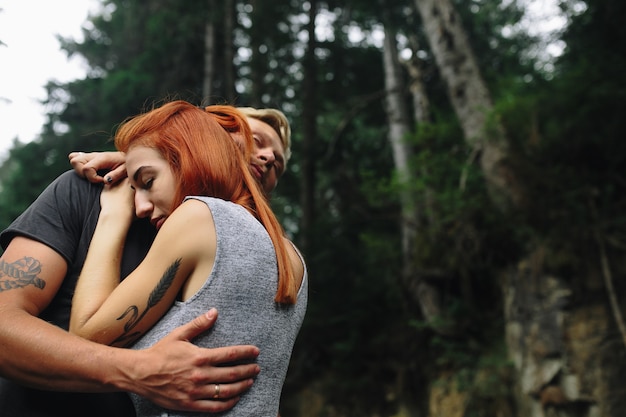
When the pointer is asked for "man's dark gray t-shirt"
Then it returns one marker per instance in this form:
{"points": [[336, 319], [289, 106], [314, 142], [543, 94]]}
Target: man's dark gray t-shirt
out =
{"points": [[64, 218]]}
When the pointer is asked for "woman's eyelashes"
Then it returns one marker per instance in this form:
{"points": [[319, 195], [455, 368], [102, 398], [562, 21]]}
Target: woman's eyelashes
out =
{"points": [[148, 184], [144, 185]]}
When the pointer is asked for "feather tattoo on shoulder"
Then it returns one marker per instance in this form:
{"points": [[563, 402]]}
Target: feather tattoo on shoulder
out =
{"points": [[132, 314]]}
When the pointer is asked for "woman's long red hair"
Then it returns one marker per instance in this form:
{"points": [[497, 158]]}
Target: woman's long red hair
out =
{"points": [[207, 162]]}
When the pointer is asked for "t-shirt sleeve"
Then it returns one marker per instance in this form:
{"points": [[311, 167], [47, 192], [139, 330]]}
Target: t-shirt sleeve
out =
{"points": [[59, 215]]}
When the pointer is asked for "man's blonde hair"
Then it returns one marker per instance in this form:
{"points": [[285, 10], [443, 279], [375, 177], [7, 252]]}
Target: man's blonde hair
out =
{"points": [[277, 120]]}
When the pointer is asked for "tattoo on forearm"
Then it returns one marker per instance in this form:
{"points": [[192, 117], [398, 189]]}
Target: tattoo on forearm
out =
{"points": [[20, 274], [132, 312]]}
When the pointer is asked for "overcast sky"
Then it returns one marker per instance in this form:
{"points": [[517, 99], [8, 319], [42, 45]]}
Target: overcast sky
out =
{"points": [[30, 57]]}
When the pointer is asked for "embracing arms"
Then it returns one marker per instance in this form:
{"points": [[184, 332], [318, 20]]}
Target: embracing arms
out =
{"points": [[173, 373], [112, 312]]}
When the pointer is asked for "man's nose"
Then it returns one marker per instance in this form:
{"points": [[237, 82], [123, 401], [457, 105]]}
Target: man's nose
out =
{"points": [[266, 156]]}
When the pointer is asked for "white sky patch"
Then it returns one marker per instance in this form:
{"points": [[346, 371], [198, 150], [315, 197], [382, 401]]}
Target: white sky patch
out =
{"points": [[31, 57], [544, 20], [543, 16]]}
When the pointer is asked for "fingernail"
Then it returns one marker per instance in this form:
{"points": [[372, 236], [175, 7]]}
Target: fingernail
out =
{"points": [[109, 179]]}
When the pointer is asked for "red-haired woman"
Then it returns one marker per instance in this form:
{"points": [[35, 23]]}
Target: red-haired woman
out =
{"points": [[218, 245]]}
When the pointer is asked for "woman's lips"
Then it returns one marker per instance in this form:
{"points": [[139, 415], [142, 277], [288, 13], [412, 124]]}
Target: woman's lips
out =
{"points": [[158, 222]]}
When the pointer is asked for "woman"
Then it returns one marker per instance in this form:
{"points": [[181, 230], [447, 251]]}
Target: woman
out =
{"points": [[218, 245]]}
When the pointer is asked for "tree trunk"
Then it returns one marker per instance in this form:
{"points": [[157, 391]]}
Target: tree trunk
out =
{"points": [[423, 293], [470, 98], [229, 51], [420, 292], [309, 131], [257, 68], [209, 57], [421, 114], [421, 103]]}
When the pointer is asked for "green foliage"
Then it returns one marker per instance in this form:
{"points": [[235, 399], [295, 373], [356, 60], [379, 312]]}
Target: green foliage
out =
{"points": [[568, 137], [30, 167], [500, 52], [480, 371], [458, 223]]}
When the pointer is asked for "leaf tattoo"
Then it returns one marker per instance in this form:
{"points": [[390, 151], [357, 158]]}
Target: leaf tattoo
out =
{"points": [[20, 274], [156, 295], [164, 284]]}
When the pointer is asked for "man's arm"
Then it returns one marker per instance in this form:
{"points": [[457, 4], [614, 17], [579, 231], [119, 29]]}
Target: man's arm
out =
{"points": [[173, 373]]}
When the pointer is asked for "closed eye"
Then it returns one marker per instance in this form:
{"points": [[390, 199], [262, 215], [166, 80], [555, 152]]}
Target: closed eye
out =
{"points": [[148, 184]]}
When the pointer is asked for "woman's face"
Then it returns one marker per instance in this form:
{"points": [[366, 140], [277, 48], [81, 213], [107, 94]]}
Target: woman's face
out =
{"points": [[153, 181]]}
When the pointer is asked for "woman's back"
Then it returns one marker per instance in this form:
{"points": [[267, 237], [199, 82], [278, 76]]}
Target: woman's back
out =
{"points": [[242, 287]]}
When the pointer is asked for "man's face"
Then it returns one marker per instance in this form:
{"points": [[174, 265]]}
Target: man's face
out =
{"points": [[268, 155]]}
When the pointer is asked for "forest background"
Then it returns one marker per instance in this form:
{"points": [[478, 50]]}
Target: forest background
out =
{"points": [[458, 199]]}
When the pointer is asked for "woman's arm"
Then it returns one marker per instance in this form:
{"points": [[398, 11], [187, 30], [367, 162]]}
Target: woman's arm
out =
{"points": [[118, 314], [101, 271]]}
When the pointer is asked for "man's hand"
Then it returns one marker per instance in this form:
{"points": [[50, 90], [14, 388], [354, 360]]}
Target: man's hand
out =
{"points": [[179, 375], [88, 164]]}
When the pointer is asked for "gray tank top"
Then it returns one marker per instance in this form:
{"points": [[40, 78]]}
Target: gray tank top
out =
{"points": [[242, 287]]}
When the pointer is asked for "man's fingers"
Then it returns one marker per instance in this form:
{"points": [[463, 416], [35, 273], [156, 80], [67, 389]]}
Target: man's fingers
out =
{"points": [[228, 355], [223, 355], [214, 406], [224, 391], [195, 327], [234, 374]]}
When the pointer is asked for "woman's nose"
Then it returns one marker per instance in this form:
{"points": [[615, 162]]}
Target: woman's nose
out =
{"points": [[143, 206]]}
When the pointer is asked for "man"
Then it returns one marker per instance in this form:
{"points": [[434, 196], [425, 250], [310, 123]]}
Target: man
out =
{"points": [[44, 252]]}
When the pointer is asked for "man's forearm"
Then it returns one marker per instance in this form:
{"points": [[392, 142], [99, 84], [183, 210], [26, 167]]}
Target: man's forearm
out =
{"points": [[39, 354], [173, 373]]}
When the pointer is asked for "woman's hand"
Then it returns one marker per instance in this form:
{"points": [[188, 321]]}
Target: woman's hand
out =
{"points": [[118, 201], [87, 165]]}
